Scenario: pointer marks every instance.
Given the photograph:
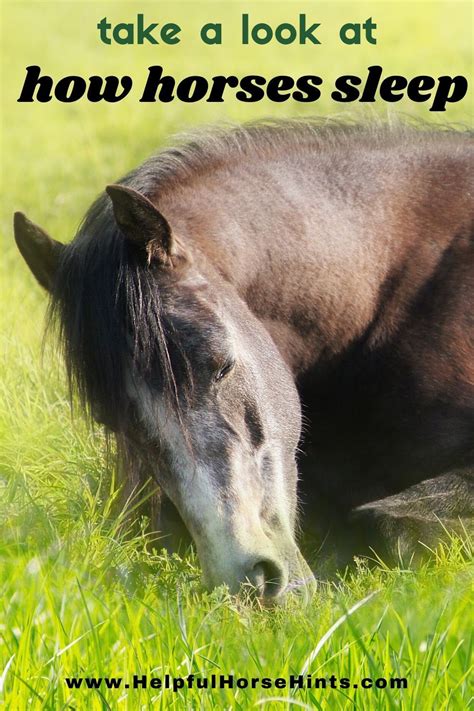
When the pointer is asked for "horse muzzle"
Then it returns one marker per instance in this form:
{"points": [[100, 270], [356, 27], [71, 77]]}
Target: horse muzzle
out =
{"points": [[267, 577]]}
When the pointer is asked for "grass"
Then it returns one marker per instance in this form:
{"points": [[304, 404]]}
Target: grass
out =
{"points": [[78, 596]]}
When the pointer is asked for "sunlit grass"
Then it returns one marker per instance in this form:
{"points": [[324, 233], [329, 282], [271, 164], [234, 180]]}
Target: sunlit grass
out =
{"points": [[82, 592], [90, 602]]}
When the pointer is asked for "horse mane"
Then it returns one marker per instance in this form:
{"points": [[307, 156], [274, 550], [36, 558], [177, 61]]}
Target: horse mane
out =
{"points": [[105, 301], [109, 315], [200, 150]]}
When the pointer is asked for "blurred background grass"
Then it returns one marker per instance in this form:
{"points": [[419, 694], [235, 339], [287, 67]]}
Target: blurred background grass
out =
{"points": [[65, 565]]}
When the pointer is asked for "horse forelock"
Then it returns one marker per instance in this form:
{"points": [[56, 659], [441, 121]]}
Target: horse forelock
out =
{"points": [[108, 308]]}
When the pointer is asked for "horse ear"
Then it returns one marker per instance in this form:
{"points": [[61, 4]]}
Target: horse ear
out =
{"points": [[38, 249], [142, 223]]}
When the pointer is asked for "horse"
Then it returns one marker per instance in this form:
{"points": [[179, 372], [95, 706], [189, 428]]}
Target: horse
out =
{"points": [[259, 281]]}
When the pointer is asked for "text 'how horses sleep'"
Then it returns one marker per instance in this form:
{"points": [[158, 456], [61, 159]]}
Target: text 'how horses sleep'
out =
{"points": [[437, 93]]}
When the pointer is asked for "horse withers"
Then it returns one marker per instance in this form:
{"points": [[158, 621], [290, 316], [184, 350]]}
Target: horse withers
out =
{"points": [[232, 277]]}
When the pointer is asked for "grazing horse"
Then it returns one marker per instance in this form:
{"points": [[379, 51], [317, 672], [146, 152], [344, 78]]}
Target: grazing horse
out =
{"points": [[252, 272]]}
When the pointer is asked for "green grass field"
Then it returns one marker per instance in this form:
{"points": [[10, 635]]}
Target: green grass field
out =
{"points": [[80, 597]]}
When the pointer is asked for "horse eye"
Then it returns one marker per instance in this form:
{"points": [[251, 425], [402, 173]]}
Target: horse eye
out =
{"points": [[225, 370]]}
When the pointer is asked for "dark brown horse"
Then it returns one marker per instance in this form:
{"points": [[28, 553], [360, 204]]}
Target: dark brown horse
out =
{"points": [[227, 280]]}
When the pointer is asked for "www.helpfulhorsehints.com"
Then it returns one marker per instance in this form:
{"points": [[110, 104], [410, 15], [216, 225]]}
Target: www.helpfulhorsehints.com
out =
{"points": [[174, 684]]}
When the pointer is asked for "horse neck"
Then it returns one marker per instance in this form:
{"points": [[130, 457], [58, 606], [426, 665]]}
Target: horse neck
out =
{"points": [[320, 254], [305, 288]]}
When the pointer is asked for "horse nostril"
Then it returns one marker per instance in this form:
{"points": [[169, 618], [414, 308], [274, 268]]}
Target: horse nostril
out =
{"points": [[267, 578]]}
